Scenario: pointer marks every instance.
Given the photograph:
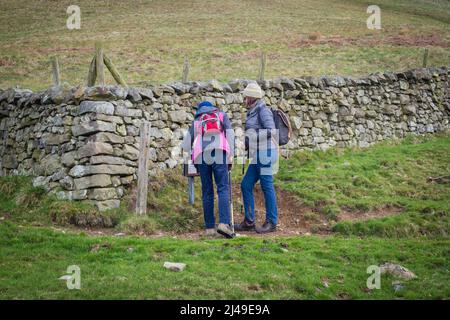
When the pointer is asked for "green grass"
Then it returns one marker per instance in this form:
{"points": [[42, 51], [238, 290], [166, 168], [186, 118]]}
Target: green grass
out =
{"points": [[34, 254], [148, 40], [32, 259], [389, 174]]}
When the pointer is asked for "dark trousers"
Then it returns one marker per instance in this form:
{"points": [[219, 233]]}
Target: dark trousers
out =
{"points": [[220, 173]]}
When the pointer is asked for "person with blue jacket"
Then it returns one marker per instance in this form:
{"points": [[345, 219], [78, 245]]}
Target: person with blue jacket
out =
{"points": [[262, 149], [210, 141]]}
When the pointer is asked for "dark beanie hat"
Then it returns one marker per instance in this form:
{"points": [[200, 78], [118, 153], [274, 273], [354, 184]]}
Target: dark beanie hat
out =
{"points": [[205, 104]]}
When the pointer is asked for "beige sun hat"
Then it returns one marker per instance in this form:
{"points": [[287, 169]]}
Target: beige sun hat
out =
{"points": [[253, 90]]}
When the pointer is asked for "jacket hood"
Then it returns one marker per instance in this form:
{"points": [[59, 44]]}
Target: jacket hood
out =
{"points": [[205, 109]]}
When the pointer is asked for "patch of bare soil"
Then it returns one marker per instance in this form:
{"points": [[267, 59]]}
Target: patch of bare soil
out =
{"points": [[295, 218], [418, 40], [366, 215]]}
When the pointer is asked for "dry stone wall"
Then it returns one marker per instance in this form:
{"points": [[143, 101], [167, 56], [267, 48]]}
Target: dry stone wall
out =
{"points": [[82, 143]]}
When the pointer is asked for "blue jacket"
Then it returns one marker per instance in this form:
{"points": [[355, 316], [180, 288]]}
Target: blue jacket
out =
{"points": [[259, 116]]}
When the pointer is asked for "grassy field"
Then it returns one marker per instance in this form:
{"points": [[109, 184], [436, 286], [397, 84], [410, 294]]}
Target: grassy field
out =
{"points": [[32, 259], [149, 39], [391, 174], [38, 241]]}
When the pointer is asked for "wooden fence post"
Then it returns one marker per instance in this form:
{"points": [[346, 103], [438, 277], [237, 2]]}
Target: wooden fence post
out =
{"points": [[114, 72], [92, 73], [99, 64], [425, 58], [184, 78], [55, 72], [142, 187], [262, 66]]}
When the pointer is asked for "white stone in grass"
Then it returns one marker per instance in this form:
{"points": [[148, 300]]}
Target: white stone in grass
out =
{"points": [[397, 270], [174, 266]]}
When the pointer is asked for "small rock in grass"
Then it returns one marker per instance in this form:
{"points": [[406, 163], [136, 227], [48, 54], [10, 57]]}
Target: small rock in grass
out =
{"points": [[397, 286], [96, 247], [120, 234], [130, 249], [174, 266], [397, 270]]}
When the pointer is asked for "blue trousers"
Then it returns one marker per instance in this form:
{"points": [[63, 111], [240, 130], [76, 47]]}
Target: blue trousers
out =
{"points": [[220, 173], [260, 169]]}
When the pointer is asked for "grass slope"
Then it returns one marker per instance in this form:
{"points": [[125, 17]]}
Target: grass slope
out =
{"points": [[149, 39], [392, 173]]}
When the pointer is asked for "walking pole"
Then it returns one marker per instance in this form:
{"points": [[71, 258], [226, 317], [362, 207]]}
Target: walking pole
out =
{"points": [[243, 172], [191, 190], [231, 202]]}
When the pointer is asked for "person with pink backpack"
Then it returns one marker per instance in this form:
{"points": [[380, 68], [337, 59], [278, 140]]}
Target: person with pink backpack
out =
{"points": [[210, 141]]}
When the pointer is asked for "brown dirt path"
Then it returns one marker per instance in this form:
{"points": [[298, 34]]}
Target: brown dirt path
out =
{"points": [[295, 218]]}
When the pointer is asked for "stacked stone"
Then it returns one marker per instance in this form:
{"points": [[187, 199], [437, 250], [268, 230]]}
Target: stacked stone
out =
{"points": [[82, 143]]}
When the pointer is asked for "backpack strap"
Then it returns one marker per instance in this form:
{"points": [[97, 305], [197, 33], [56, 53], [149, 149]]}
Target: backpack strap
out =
{"points": [[258, 110]]}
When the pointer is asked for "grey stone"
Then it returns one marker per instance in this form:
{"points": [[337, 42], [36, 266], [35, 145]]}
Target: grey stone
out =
{"points": [[174, 266], [106, 137], [97, 107], [102, 194], [145, 93], [127, 112], [41, 181], [178, 116], [50, 164], [107, 204], [87, 128], [397, 270], [410, 109], [111, 160], [9, 161], [80, 171], [99, 180], [67, 183], [55, 139], [316, 132], [133, 95], [130, 152], [94, 148], [69, 159]]}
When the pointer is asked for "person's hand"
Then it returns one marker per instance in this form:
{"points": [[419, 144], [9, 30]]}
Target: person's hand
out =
{"points": [[230, 162]]}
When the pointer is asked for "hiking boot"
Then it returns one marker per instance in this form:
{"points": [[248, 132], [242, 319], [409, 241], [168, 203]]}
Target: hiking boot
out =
{"points": [[266, 227], [225, 230], [210, 233], [244, 226]]}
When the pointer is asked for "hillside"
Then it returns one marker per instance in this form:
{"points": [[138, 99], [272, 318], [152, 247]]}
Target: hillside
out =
{"points": [[149, 39]]}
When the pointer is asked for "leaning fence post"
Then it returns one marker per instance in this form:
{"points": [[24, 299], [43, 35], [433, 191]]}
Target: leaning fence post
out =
{"points": [[55, 72], [184, 78], [144, 146], [114, 72], [99, 64], [425, 58], [262, 66]]}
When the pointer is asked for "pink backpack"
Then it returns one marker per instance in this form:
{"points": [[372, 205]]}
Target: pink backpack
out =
{"points": [[210, 123]]}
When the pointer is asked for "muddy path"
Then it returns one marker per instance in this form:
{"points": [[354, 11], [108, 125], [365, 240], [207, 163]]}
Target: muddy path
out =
{"points": [[295, 219]]}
